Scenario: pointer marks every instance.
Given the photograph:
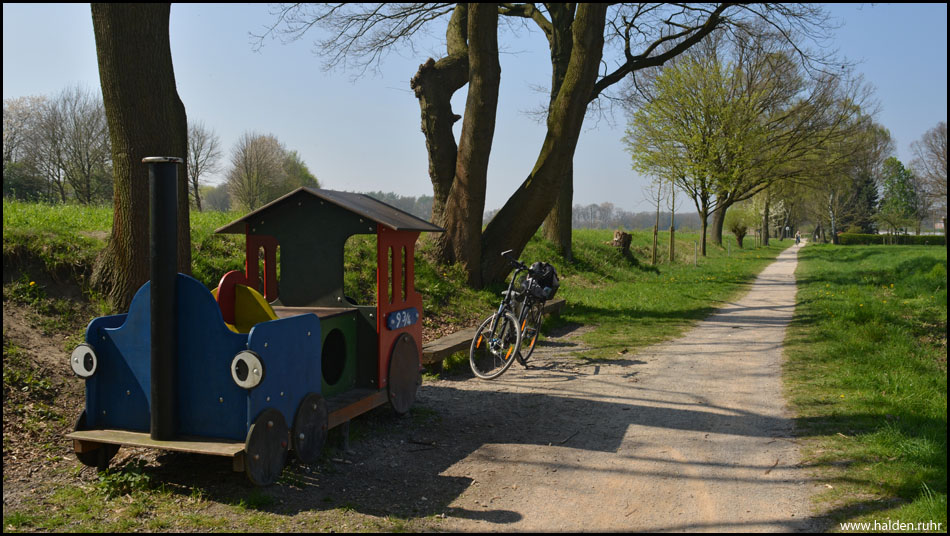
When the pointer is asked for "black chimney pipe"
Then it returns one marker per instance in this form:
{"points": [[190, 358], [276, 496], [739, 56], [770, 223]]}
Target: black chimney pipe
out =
{"points": [[163, 257]]}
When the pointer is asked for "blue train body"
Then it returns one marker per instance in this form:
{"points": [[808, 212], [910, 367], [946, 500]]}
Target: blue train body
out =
{"points": [[258, 372], [208, 402]]}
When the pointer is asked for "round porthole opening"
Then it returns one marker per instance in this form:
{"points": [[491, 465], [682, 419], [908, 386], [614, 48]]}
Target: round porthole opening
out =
{"points": [[83, 361], [247, 370], [333, 356]]}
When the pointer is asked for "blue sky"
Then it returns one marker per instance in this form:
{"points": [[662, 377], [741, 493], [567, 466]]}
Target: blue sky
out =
{"points": [[365, 134]]}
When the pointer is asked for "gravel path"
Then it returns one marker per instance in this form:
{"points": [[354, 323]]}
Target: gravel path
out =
{"points": [[690, 435]]}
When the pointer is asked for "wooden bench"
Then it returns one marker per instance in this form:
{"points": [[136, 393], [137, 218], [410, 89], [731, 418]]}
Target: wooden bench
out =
{"points": [[434, 352]]}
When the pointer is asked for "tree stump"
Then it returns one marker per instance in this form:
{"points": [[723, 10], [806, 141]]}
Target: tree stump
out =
{"points": [[622, 240]]}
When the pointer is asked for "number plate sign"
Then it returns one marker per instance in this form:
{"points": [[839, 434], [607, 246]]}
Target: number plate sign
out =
{"points": [[400, 319]]}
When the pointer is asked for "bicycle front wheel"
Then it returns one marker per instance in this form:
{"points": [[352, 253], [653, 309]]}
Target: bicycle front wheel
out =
{"points": [[530, 331], [494, 346]]}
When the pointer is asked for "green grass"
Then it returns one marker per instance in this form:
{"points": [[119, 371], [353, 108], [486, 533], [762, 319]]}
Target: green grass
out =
{"points": [[867, 369], [63, 238]]}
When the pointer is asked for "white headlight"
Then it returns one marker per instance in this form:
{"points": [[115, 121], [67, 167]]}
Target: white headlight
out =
{"points": [[83, 361], [247, 371]]}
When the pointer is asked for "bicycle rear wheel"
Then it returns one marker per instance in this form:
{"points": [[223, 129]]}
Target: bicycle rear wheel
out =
{"points": [[530, 331], [494, 346]]}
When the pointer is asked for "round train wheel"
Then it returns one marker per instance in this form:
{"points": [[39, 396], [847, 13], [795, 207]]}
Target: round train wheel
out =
{"points": [[405, 376], [310, 428], [98, 458], [265, 450]]}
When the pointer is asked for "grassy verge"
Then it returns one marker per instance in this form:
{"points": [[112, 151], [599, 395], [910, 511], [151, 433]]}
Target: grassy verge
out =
{"points": [[64, 239], [867, 363]]}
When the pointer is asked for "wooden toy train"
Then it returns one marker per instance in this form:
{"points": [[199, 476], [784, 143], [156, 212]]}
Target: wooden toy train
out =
{"points": [[249, 372]]}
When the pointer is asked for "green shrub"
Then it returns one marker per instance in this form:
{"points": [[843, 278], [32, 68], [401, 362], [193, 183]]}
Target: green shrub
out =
{"points": [[124, 480], [857, 239]]}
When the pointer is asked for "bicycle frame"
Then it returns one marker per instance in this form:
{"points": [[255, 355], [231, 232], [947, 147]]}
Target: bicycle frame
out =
{"points": [[506, 301], [502, 332], [508, 294]]}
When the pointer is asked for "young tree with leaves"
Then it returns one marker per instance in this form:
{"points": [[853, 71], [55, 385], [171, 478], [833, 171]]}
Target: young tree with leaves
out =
{"points": [[262, 170], [898, 204]]}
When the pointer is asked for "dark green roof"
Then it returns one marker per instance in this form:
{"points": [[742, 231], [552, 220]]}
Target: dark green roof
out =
{"points": [[360, 204]]}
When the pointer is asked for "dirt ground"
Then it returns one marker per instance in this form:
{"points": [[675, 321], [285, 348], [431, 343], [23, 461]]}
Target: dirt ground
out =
{"points": [[690, 435]]}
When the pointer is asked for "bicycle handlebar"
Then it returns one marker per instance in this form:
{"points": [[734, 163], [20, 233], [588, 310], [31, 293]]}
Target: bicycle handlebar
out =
{"points": [[517, 264]]}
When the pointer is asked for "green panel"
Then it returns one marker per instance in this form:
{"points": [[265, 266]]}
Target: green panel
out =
{"points": [[311, 233], [367, 349], [338, 353]]}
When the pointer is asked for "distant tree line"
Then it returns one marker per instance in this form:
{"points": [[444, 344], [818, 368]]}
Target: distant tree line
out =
{"points": [[57, 149], [607, 216], [420, 207]]}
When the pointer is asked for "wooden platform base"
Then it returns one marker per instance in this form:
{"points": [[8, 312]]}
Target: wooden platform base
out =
{"points": [[340, 410], [88, 440]]}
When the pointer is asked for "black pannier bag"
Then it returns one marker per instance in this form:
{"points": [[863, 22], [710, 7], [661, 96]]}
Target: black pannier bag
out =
{"points": [[544, 283]]}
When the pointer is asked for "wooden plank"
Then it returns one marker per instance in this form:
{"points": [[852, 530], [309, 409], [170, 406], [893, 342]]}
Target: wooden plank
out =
{"points": [[437, 350], [554, 306], [198, 445], [353, 403]]}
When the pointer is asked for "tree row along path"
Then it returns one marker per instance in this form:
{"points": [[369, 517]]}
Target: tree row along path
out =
{"points": [[689, 435]]}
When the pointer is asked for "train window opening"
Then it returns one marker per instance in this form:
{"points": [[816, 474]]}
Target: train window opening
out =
{"points": [[333, 356], [359, 269], [392, 275], [258, 285], [276, 267], [405, 269]]}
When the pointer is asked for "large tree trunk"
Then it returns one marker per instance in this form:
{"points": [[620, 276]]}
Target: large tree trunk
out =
{"points": [[557, 224], [719, 217], [527, 208], [765, 221], [434, 84], [465, 204], [146, 118]]}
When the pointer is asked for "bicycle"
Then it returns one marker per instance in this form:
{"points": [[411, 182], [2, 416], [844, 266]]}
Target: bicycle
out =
{"points": [[497, 342]]}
